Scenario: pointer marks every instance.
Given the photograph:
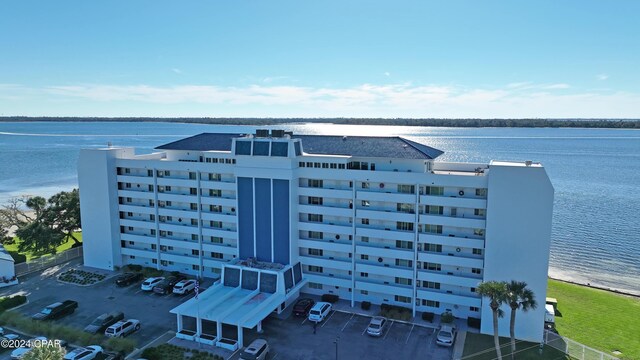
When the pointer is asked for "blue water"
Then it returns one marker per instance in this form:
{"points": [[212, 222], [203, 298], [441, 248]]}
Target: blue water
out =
{"points": [[595, 173]]}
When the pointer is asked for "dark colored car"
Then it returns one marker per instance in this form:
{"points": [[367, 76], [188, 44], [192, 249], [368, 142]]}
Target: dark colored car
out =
{"points": [[127, 279], [104, 321], [302, 306], [112, 356], [166, 286], [56, 310]]}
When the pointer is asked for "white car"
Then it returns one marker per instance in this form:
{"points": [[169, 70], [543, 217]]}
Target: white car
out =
{"points": [[446, 335], [148, 284], [377, 325], [122, 328], [86, 353], [184, 287], [319, 311], [20, 352]]}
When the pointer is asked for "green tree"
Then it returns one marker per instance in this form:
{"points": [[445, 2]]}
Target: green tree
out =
{"points": [[64, 212], [518, 296], [39, 238], [496, 292], [45, 353]]}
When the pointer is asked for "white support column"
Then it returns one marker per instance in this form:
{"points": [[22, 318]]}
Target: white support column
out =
{"points": [[218, 330], [353, 242], [260, 331], [179, 322], [240, 340], [198, 326]]}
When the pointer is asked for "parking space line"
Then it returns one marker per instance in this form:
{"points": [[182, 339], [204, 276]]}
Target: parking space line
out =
{"points": [[304, 321], [365, 330], [408, 336], [329, 318], [274, 356], [347, 323], [388, 330]]}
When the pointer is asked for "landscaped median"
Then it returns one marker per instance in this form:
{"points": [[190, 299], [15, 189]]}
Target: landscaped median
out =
{"points": [[481, 347], [600, 319], [172, 352]]}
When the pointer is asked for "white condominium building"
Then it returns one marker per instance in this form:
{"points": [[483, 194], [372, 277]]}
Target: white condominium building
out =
{"points": [[373, 219]]}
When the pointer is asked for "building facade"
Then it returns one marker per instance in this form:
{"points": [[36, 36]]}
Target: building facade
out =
{"points": [[368, 218]]}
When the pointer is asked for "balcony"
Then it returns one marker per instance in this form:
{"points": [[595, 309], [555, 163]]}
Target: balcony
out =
{"points": [[144, 224], [381, 287], [147, 239], [184, 229], [179, 243], [449, 298], [223, 201], [326, 262], [388, 215], [325, 210], [165, 196], [396, 197], [219, 248], [178, 212], [129, 193], [180, 259], [171, 181], [133, 179], [458, 261], [329, 279], [218, 185], [326, 245], [379, 250], [337, 228], [443, 278], [149, 254], [452, 221], [223, 233], [453, 201], [390, 270], [140, 209], [384, 233], [452, 240], [326, 192]]}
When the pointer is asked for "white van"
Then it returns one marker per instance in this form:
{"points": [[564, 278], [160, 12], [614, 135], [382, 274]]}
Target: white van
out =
{"points": [[257, 350], [122, 328], [319, 311], [549, 314]]}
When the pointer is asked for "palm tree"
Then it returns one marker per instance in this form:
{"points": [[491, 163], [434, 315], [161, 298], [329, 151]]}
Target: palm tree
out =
{"points": [[518, 295], [496, 291], [45, 353]]}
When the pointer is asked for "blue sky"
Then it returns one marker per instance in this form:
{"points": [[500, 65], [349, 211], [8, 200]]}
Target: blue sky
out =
{"points": [[320, 58]]}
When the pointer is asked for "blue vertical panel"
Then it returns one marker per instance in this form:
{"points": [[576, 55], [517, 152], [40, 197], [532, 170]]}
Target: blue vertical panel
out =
{"points": [[263, 219], [245, 217], [281, 221]]}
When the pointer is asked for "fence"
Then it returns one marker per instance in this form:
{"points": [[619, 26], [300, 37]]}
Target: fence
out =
{"points": [[47, 261], [573, 348]]}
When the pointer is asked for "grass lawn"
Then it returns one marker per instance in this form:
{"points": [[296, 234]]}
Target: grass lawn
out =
{"points": [[63, 247], [599, 319], [480, 347]]}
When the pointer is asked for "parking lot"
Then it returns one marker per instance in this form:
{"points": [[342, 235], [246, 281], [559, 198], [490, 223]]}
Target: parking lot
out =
{"points": [[294, 338], [152, 310]]}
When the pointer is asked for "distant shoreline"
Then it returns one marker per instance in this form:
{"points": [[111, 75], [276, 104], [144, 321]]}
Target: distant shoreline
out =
{"points": [[598, 287], [433, 122]]}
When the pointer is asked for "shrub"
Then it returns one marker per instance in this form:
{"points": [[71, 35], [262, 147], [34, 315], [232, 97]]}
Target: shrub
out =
{"points": [[18, 258], [75, 245], [385, 307], [473, 323], [365, 305], [427, 316], [446, 317], [11, 302], [120, 345], [331, 298]]}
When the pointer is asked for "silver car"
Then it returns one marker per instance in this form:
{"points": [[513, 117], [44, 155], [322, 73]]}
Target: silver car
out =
{"points": [[446, 335], [377, 325]]}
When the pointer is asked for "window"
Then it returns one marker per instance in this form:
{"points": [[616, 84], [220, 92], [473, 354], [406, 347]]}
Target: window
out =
{"points": [[364, 238], [405, 226], [261, 148], [215, 192], [192, 175], [315, 252], [334, 166], [243, 147], [152, 232], [150, 189], [365, 185], [474, 309], [434, 190], [216, 255], [149, 173], [193, 191], [215, 208], [195, 267], [215, 177], [131, 243], [477, 251], [406, 189], [131, 257], [364, 257], [366, 203], [193, 206], [341, 166], [404, 244], [364, 274], [403, 281], [476, 271], [434, 229], [301, 164], [314, 217], [433, 266], [280, 149], [313, 285], [127, 185], [195, 252], [433, 248], [431, 285], [480, 212], [316, 165], [405, 208], [431, 303], [314, 200], [309, 164], [194, 222], [129, 214], [216, 240], [402, 299], [364, 292], [473, 290], [163, 262], [316, 269], [194, 237], [216, 224], [315, 235], [315, 183], [435, 210], [403, 262], [325, 165], [365, 221], [170, 247], [481, 192], [478, 232], [163, 233]]}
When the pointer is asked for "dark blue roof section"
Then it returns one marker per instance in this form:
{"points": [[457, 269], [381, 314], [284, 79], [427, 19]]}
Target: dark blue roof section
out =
{"points": [[359, 146]]}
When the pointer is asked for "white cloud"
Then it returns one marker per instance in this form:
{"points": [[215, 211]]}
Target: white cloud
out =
{"points": [[602, 77], [387, 74], [176, 70], [365, 100]]}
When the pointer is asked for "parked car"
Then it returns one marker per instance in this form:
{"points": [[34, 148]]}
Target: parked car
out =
{"points": [[56, 310], [20, 352], [446, 335], [122, 328], [184, 287], [377, 325], [319, 311], [104, 321], [166, 286], [148, 284], [128, 278], [257, 350], [302, 306], [112, 356], [86, 353]]}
